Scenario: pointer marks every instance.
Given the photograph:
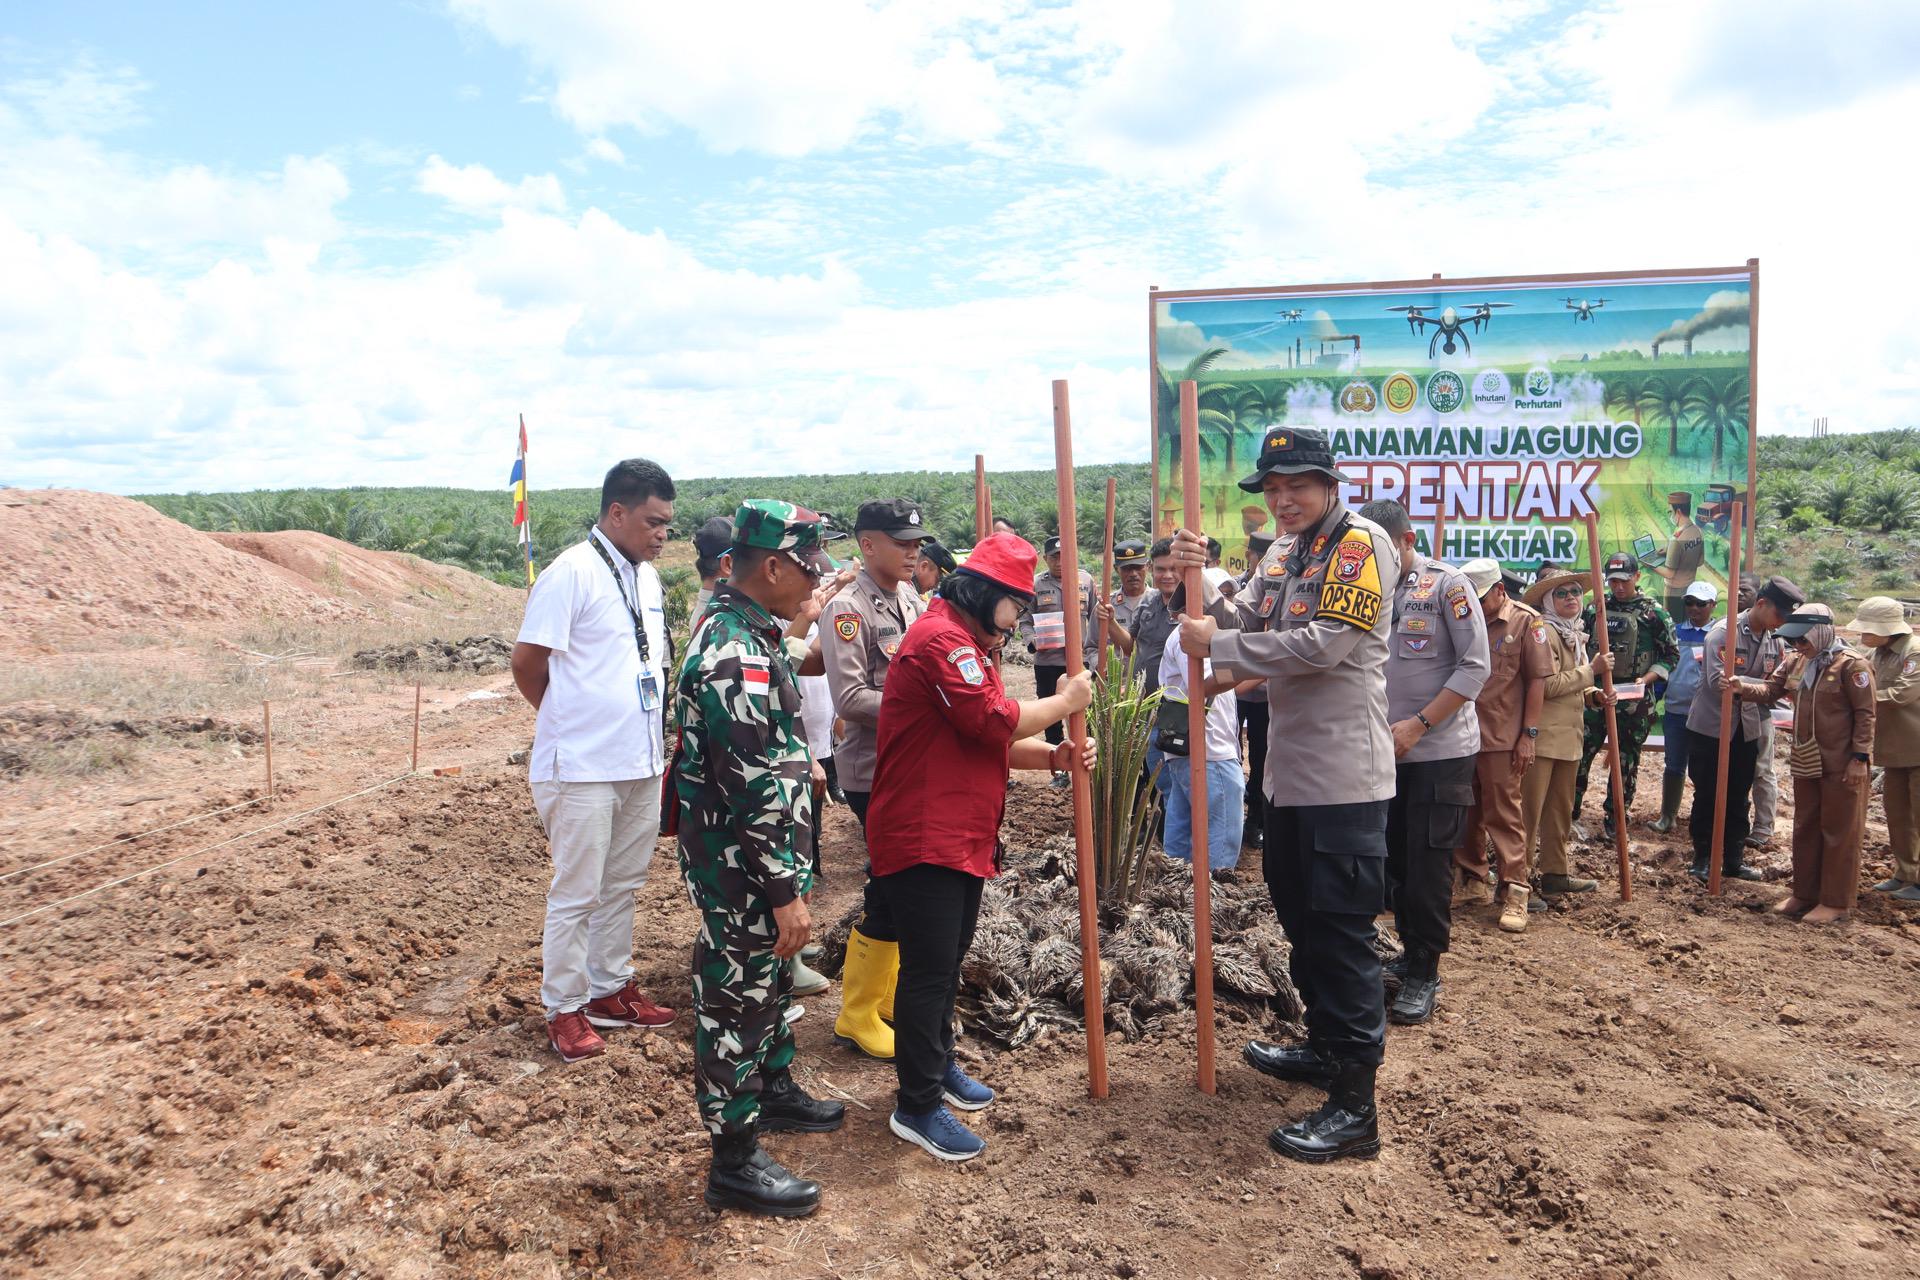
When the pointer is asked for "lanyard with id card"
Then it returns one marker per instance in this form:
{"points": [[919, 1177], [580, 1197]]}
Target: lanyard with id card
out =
{"points": [[646, 684]]}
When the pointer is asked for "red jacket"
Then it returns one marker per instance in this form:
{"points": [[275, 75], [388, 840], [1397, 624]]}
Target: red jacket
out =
{"points": [[946, 728]]}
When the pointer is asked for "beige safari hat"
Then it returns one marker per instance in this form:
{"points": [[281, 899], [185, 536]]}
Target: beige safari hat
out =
{"points": [[1881, 616]]}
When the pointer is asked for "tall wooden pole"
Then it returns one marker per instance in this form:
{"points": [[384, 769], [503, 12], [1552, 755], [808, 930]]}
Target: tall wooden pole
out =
{"points": [[1106, 572], [416, 728], [1729, 660], [1197, 748], [1616, 779], [981, 515], [1439, 531], [1093, 1007], [266, 719]]}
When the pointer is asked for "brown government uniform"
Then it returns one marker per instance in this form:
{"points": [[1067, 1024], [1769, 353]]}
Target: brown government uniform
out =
{"points": [[1896, 748], [1832, 723], [1314, 622], [1517, 643], [1546, 795]]}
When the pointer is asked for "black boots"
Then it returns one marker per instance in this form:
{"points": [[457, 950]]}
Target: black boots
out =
{"points": [[1393, 972], [787, 1108], [1419, 988], [1348, 1125], [742, 1176], [1300, 1062]]}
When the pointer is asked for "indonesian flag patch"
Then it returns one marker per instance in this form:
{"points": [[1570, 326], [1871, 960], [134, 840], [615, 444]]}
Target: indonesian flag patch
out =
{"points": [[755, 677]]}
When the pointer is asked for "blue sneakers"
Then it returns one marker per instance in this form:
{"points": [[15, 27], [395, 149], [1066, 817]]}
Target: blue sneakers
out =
{"points": [[939, 1133], [963, 1091]]}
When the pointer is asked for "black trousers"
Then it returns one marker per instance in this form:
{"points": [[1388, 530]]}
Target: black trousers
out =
{"points": [[1703, 766], [937, 908], [1045, 681], [876, 917], [1326, 873], [1253, 722], [1425, 821]]}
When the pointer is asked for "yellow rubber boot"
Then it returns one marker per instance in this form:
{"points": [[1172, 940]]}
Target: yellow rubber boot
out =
{"points": [[893, 981], [863, 984]]}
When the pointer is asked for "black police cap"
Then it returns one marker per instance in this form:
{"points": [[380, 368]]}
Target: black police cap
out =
{"points": [[1292, 451], [895, 517]]}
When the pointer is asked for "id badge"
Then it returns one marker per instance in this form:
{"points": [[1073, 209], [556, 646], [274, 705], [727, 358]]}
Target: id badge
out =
{"points": [[649, 691]]}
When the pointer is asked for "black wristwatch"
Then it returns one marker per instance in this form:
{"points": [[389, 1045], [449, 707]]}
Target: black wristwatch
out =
{"points": [[1863, 757], [1532, 731], [1425, 723]]}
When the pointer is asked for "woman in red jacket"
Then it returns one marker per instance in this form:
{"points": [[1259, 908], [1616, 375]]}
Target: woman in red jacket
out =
{"points": [[948, 736]]}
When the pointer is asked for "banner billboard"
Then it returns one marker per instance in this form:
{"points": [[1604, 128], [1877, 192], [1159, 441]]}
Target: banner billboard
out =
{"points": [[1513, 405]]}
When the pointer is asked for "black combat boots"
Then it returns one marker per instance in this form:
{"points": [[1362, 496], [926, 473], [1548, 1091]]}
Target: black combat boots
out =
{"points": [[1419, 988], [742, 1176], [787, 1108], [1347, 1125], [1300, 1062], [1393, 973]]}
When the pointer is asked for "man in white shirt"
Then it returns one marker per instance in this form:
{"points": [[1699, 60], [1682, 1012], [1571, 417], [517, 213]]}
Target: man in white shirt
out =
{"points": [[593, 658]]}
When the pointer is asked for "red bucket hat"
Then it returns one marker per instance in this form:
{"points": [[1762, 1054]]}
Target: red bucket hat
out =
{"points": [[1006, 560]]}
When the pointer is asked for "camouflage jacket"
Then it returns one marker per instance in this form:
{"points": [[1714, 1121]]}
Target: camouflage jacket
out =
{"points": [[1640, 635], [740, 775]]}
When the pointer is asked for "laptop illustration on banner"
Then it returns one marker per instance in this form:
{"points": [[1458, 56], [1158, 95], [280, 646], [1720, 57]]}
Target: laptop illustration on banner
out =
{"points": [[1644, 550]]}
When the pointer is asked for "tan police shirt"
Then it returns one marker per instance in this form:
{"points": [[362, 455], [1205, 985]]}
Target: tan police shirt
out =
{"points": [[1896, 699], [1317, 627], [1049, 596], [1439, 642], [1755, 657], [859, 635], [1686, 551]]}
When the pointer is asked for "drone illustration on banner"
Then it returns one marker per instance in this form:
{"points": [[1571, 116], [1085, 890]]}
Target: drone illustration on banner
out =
{"points": [[1582, 309], [1448, 325], [1291, 315]]}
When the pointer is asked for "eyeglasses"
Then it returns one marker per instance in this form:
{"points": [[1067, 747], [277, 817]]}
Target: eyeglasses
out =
{"points": [[1568, 593]]}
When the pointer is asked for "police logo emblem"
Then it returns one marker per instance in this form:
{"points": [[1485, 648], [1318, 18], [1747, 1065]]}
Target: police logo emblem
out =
{"points": [[1416, 624], [1298, 607], [1461, 609], [891, 648], [1358, 397], [1267, 604], [847, 626], [1418, 644], [1352, 558], [1275, 569]]}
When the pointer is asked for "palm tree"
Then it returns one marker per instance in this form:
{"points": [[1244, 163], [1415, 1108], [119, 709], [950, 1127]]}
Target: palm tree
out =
{"points": [[1665, 398], [1623, 399], [1718, 407]]}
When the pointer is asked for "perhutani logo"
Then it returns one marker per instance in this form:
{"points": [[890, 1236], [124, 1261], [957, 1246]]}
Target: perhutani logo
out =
{"points": [[1539, 395], [1445, 391], [1358, 397], [1400, 392], [1491, 390]]}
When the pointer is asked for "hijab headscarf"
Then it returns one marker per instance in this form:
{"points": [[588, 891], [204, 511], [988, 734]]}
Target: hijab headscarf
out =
{"points": [[1824, 640]]}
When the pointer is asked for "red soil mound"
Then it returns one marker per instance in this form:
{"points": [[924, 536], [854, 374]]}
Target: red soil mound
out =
{"points": [[386, 577]]}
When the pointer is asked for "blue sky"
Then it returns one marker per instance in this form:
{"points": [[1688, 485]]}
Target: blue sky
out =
{"points": [[253, 245]]}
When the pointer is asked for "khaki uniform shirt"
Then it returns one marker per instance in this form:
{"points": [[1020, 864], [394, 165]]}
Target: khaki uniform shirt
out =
{"points": [[1439, 642], [859, 635], [1896, 702], [1317, 626], [1755, 657], [1517, 637], [1686, 551], [1563, 715], [1049, 596], [1124, 609], [1836, 713]]}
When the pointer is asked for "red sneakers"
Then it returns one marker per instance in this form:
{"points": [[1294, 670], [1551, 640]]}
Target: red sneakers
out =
{"points": [[573, 1039], [627, 1008]]}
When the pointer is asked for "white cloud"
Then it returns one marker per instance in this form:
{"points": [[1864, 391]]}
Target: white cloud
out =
{"points": [[474, 188]]}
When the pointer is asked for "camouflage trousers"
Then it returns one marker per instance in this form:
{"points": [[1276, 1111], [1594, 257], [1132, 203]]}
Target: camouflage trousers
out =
{"points": [[740, 1034], [1635, 722]]}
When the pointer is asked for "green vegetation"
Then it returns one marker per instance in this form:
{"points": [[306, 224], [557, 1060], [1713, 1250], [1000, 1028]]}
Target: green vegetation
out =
{"points": [[1840, 515]]}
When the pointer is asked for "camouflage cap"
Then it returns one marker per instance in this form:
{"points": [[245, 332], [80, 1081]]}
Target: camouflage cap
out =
{"points": [[780, 526]]}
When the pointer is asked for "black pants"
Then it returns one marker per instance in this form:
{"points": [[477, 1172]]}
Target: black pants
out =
{"points": [[1326, 873], [1703, 766], [1045, 681], [876, 917], [938, 907], [1253, 721], [1425, 821]]}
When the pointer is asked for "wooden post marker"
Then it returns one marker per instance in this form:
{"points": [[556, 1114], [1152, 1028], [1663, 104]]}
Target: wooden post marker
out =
{"points": [[1616, 780], [1197, 748], [982, 512], [266, 719], [1440, 527], [1106, 573], [1729, 663], [1093, 1006], [416, 728]]}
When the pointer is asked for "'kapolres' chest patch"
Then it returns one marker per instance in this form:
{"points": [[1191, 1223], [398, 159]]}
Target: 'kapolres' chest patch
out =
{"points": [[1352, 590]]}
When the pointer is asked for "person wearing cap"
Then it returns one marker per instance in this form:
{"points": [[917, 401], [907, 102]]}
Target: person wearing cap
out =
{"points": [[1508, 710], [1317, 629], [1831, 760], [1044, 630], [863, 629], [1640, 638], [1881, 623], [1546, 797], [1757, 651], [1690, 636], [1766, 770], [935, 563], [1251, 702], [1686, 552], [593, 657], [712, 542], [1144, 638], [1436, 667], [1130, 560], [740, 785], [949, 734]]}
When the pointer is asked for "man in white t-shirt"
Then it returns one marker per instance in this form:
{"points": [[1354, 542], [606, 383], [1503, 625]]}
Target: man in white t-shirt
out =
{"points": [[593, 657], [1226, 784]]}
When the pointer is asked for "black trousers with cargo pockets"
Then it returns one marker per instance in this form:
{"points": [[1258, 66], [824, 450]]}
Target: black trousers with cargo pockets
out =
{"points": [[1425, 821], [1326, 873]]}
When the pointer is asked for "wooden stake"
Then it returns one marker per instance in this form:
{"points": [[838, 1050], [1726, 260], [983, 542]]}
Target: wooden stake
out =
{"points": [[1093, 1007], [1106, 573], [416, 728], [1440, 528], [1197, 748], [1728, 662], [981, 511], [266, 719], [1615, 777]]}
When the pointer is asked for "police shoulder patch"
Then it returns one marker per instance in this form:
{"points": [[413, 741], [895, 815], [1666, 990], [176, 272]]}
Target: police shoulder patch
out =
{"points": [[1352, 591], [847, 626]]}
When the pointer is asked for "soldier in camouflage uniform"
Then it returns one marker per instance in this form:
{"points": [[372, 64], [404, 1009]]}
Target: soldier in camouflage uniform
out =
{"points": [[1640, 636], [744, 805]]}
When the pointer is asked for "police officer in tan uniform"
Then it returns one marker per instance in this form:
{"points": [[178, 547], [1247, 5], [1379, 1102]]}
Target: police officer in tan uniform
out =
{"points": [[1317, 628], [1435, 668], [860, 633], [1686, 552], [1130, 562], [1050, 596]]}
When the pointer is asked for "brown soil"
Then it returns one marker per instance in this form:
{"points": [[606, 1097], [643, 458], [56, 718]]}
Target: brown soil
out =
{"points": [[384, 577], [319, 1053]]}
